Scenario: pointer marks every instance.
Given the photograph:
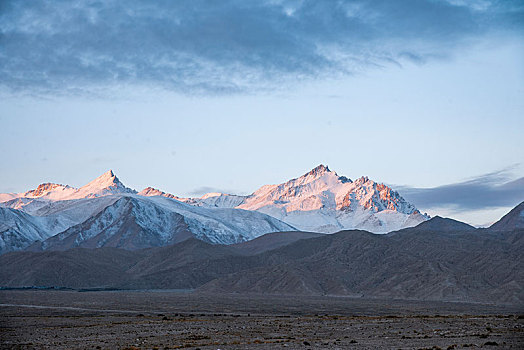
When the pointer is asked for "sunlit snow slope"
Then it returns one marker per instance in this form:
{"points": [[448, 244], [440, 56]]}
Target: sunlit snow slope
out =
{"points": [[322, 201]]}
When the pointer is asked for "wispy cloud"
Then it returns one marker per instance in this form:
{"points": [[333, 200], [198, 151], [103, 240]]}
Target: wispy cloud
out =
{"points": [[217, 47], [491, 190], [206, 189]]}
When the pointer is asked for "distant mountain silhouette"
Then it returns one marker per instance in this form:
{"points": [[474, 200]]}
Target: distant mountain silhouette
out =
{"points": [[272, 241], [438, 223]]}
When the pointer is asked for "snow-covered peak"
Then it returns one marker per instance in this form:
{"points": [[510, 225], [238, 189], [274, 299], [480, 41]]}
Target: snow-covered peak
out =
{"points": [[374, 196], [314, 190], [151, 191], [213, 194], [105, 184], [49, 191], [107, 179], [318, 171], [215, 200], [322, 188], [323, 201], [362, 180], [44, 189]]}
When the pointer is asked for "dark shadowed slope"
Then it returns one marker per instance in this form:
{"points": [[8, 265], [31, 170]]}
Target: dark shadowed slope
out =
{"points": [[272, 241], [512, 220], [440, 224], [466, 266], [186, 265], [446, 261], [75, 268]]}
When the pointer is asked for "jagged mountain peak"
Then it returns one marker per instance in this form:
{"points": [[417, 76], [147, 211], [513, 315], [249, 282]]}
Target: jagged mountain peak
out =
{"points": [[107, 179], [363, 180], [47, 191], [105, 184], [321, 200], [322, 170], [319, 174], [375, 197], [318, 170], [322, 188], [44, 188], [151, 191]]}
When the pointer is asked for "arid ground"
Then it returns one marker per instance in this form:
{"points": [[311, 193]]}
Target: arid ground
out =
{"points": [[173, 319]]}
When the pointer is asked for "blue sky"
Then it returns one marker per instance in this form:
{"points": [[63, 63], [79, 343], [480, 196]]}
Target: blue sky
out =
{"points": [[189, 96]]}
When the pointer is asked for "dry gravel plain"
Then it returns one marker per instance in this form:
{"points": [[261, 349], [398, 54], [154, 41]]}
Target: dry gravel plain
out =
{"points": [[39, 319]]}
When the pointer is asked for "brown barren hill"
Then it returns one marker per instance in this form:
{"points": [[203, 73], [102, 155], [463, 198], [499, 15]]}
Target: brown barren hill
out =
{"points": [[440, 259]]}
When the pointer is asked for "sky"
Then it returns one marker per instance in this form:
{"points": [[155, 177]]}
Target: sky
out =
{"points": [[426, 96]]}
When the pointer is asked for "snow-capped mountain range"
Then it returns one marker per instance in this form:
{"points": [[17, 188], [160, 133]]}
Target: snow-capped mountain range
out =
{"points": [[322, 201], [104, 185], [107, 213]]}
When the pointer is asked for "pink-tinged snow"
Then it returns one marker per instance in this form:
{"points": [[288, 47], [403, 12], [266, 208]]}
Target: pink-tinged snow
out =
{"points": [[45, 191], [150, 192], [322, 201], [104, 185], [4, 197]]}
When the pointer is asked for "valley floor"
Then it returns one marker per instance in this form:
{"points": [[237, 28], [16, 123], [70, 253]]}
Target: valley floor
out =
{"points": [[175, 319]]}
